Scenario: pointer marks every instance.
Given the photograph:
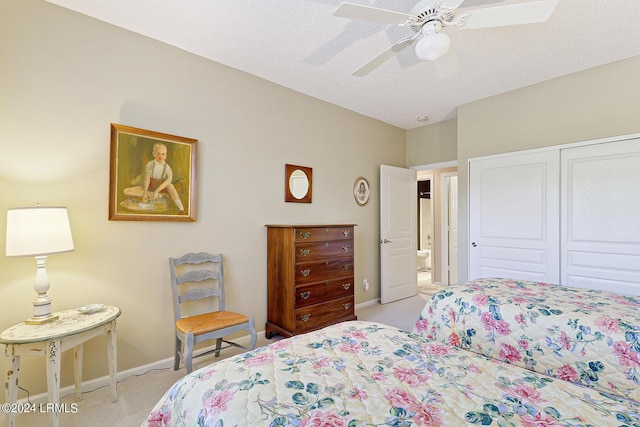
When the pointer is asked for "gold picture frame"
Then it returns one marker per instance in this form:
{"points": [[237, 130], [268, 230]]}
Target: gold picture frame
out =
{"points": [[152, 176]]}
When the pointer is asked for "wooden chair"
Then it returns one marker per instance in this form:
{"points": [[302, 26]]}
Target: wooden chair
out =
{"points": [[198, 283]]}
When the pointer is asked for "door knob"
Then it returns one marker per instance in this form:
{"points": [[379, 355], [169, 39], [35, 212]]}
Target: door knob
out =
{"points": [[385, 241], [473, 244]]}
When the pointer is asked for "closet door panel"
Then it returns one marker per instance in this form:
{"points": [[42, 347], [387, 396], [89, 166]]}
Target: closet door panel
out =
{"points": [[514, 217], [600, 209]]}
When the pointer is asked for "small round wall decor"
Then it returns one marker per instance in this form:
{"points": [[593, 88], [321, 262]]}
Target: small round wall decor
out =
{"points": [[361, 191]]}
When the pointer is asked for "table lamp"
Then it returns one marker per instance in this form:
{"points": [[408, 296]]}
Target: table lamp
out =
{"points": [[39, 232]]}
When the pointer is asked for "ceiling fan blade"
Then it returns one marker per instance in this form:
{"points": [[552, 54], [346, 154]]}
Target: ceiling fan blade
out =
{"points": [[515, 14], [384, 56], [374, 14], [451, 4]]}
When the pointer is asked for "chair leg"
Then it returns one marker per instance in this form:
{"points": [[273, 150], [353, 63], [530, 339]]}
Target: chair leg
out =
{"points": [[176, 356], [218, 346], [188, 352], [252, 332]]}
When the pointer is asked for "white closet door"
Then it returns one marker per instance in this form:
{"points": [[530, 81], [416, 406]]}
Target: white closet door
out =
{"points": [[600, 216], [514, 218]]}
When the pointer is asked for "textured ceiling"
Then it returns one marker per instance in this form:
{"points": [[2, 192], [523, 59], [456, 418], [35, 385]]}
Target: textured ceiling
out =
{"points": [[300, 45]]}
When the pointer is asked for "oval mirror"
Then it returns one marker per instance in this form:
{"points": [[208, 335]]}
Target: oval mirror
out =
{"points": [[297, 184]]}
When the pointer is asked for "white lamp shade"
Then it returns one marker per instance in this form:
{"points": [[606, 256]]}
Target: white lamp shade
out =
{"points": [[432, 46], [38, 231]]}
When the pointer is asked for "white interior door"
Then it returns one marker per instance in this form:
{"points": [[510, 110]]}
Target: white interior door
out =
{"points": [[600, 226], [398, 224], [514, 219]]}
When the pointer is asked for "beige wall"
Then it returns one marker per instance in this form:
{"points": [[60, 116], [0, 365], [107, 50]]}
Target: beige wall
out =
{"points": [[592, 104], [431, 144], [65, 77]]}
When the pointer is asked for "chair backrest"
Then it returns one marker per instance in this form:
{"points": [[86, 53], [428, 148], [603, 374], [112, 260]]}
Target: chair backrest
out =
{"points": [[209, 280]]}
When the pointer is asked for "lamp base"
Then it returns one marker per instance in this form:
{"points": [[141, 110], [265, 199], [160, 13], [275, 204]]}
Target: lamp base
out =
{"points": [[41, 320]]}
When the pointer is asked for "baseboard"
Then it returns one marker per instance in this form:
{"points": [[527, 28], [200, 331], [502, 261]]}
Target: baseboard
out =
{"points": [[367, 304], [105, 381]]}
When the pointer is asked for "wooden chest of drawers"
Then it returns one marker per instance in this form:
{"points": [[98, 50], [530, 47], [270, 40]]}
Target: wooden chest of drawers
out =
{"points": [[310, 277]]}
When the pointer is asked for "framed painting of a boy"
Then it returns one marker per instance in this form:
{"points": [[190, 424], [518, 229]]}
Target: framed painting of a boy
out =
{"points": [[153, 176]]}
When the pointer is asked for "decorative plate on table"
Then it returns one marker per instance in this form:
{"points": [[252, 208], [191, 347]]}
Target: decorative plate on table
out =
{"points": [[90, 308]]}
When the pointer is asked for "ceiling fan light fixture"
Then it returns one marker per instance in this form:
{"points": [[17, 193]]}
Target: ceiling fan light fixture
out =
{"points": [[432, 46]]}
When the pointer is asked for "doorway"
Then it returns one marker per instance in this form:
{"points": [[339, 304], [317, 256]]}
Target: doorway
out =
{"points": [[425, 233], [450, 229], [436, 257]]}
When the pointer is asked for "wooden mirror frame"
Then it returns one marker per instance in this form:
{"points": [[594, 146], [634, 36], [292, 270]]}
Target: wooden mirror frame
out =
{"points": [[288, 195]]}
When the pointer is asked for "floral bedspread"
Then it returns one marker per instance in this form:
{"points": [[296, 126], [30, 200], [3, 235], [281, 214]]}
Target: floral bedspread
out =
{"points": [[358, 374], [589, 337]]}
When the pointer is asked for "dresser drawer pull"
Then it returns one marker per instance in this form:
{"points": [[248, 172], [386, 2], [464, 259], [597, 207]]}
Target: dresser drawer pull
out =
{"points": [[346, 267], [346, 233], [346, 306], [305, 295], [305, 273], [346, 286], [346, 248], [305, 252], [305, 234], [305, 317]]}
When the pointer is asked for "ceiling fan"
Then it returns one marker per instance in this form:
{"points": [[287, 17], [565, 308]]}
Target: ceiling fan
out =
{"points": [[428, 18]]}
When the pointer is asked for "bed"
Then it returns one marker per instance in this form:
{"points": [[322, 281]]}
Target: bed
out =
{"points": [[358, 373], [588, 337]]}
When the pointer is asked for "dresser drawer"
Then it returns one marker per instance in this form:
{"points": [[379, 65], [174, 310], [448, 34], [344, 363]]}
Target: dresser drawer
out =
{"points": [[318, 315], [320, 250], [315, 234], [319, 292], [319, 271]]}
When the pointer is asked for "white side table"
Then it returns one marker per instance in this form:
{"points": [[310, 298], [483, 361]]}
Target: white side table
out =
{"points": [[71, 330]]}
